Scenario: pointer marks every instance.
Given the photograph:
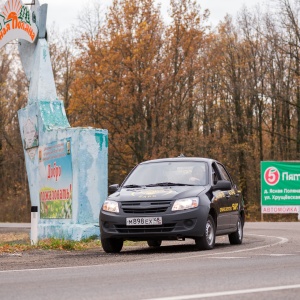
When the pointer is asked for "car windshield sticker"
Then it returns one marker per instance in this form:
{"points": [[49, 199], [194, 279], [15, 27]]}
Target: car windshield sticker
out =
{"points": [[151, 193]]}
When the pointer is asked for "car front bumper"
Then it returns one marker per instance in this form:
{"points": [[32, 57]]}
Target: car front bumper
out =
{"points": [[175, 225]]}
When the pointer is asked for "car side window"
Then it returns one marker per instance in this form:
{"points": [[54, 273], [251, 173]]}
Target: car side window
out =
{"points": [[224, 173], [215, 174]]}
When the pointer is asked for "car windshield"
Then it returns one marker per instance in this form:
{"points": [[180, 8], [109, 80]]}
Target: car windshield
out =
{"points": [[168, 174]]}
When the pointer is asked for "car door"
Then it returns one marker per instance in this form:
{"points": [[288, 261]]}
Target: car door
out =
{"points": [[232, 198], [221, 202]]}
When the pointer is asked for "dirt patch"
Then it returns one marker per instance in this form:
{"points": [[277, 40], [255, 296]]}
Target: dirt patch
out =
{"points": [[14, 237]]}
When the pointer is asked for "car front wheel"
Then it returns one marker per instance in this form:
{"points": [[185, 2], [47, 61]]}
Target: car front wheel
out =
{"points": [[236, 238], [207, 241], [112, 245]]}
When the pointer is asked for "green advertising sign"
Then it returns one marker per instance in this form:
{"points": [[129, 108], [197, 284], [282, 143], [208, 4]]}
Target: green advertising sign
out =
{"points": [[280, 187]]}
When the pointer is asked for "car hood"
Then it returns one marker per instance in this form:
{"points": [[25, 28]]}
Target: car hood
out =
{"points": [[157, 193]]}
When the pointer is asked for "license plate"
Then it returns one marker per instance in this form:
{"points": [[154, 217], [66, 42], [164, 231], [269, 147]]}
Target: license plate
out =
{"points": [[144, 221]]}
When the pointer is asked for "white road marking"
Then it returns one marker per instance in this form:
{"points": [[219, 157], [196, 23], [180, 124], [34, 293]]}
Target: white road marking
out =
{"points": [[283, 254], [229, 257], [281, 241], [230, 293]]}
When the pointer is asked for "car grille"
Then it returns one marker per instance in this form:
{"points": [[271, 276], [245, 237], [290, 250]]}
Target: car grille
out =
{"points": [[145, 229], [145, 207]]}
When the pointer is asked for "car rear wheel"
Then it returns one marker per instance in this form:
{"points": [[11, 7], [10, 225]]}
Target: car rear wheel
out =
{"points": [[112, 245], [207, 241], [236, 238], [154, 243]]}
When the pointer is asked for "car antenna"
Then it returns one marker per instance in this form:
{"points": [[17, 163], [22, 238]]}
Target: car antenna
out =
{"points": [[181, 155]]}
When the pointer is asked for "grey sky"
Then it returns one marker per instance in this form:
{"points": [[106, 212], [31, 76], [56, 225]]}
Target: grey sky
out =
{"points": [[64, 12]]}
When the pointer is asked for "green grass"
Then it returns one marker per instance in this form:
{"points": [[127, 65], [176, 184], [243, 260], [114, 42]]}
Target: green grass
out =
{"points": [[20, 243], [49, 244]]}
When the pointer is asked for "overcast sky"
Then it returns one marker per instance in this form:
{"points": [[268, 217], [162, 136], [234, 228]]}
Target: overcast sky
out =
{"points": [[64, 12]]}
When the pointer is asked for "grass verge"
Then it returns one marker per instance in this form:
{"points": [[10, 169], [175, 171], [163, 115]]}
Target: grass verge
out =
{"points": [[20, 242]]}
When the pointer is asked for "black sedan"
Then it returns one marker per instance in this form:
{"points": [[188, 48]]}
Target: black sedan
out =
{"points": [[173, 199]]}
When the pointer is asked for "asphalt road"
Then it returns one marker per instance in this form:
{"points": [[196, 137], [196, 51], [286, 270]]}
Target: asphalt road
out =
{"points": [[265, 266], [15, 227]]}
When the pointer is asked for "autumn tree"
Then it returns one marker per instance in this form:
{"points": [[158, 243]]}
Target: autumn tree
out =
{"points": [[14, 200], [183, 67], [118, 78], [289, 20], [62, 52]]}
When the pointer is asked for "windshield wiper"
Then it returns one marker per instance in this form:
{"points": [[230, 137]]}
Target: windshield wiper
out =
{"points": [[132, 186], [169, 184]]}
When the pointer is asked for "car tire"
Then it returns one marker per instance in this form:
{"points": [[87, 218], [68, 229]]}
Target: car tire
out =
{"points": [[236, 238], [207, 241], [112, 245], [154, 243]]}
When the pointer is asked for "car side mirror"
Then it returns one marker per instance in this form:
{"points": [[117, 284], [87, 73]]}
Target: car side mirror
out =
{"points": [[222, 185], [113, 188]]}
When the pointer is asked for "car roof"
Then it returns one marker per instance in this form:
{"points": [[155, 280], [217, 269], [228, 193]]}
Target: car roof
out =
{"points": [[180, 158]]}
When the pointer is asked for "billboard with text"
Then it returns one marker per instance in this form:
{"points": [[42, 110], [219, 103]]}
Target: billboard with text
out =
{"points": [[56, 180], [280, 187]]}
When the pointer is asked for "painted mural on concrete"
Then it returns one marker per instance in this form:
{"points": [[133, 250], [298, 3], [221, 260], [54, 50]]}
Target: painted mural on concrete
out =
{"points": [[30, 133], [66, 166], [56, 180]]}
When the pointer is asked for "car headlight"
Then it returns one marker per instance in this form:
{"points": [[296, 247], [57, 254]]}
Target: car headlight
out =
{"points": [[186, 203], [111, 206]]}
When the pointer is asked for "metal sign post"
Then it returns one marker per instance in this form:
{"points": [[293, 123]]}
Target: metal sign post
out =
{"points": [[34, 225]]}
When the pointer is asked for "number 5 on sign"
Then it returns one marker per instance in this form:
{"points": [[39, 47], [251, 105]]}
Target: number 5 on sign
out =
{"points": [[271, 176]]}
